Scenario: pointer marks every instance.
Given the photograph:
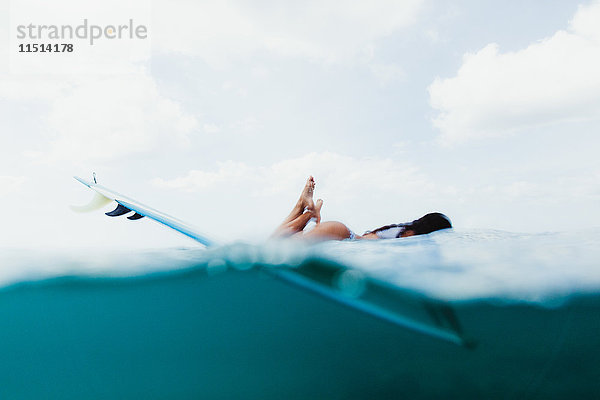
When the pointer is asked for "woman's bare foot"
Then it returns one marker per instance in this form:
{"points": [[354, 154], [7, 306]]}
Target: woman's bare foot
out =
{"points": [[306, 197], [317, 211]]}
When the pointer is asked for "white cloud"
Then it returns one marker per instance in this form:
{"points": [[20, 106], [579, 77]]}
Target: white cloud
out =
{"points": [[229, 172], [11, 184], [346, 176], [433, 35], [325, 30], [89, 117], [31, 87], [387, 73], [211, 129], [116, 116], [553, 80]]}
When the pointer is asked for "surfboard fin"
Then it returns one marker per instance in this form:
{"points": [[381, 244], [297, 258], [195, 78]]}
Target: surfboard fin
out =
{"points": [[135, 216], [120, 210], [98, 201]]}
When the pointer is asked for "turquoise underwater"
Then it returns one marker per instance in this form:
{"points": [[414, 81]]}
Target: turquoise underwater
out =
{"points": [[471, 314]]}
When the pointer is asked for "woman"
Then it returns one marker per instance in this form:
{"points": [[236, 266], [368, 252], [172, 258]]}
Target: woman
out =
{"points": [[306, 209]]}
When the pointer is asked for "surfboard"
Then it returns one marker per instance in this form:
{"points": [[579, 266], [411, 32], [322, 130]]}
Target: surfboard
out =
{"points": [[126, 205], [336, 282]]}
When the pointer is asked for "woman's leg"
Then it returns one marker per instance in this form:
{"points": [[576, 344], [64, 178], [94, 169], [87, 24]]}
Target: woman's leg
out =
{"points": [[299, 223], [301, 214], [295, 221], [296, 225], [305, 201]]}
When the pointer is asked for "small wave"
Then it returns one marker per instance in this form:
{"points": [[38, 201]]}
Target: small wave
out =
{"points": [[449, 265]]}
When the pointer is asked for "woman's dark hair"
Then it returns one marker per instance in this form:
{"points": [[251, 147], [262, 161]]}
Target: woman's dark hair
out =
{"points": [[426, 224], [429, 223]]}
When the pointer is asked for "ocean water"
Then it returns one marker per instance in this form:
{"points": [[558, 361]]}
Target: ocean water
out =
{"points": [[455, 314]]}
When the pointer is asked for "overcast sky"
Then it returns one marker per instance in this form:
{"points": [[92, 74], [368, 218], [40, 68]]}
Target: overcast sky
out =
{"points": [[486, 111]]}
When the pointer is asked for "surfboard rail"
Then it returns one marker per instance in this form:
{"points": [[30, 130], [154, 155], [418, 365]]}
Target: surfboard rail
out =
{"points": [[401, 307]]}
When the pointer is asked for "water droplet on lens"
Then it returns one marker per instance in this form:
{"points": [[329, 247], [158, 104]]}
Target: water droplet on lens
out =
{"points": [[351, 283]]}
